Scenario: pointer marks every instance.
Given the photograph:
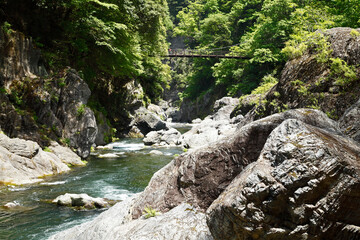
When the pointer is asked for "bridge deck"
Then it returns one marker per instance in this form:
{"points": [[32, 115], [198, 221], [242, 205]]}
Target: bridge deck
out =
{"points": [[203, 56], [200, 53]]}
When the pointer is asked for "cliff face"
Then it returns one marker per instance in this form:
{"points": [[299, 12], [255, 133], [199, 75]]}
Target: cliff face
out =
{"points": [[39, 107]]}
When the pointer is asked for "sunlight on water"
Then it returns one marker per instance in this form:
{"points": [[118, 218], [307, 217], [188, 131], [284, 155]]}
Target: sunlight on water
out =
{"points": [[118, 178]]}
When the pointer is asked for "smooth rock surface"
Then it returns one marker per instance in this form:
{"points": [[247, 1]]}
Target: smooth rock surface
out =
{"points": [[24, 162], [182, 222]]}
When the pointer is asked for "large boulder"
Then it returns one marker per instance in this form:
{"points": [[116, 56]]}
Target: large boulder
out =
{"points": [[147, 121], [182, 222], [304, 185], [163, 137], [24, 162], [200, 176], [206, 132]]}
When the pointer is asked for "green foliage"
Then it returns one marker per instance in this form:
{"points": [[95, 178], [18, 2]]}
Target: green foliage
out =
{"points": [[342, 72], [47, 149], [150, 212], [6, 27], [81, 110], [266, 84]]}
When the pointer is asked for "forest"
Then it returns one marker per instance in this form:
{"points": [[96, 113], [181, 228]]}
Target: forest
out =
{"points": [[112, 42]]}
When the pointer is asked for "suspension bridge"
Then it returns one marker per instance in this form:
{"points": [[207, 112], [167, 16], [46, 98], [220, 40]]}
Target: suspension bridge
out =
{"points": [[199, 53]]}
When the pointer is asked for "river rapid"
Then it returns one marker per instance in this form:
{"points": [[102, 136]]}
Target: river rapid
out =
{"points": [[114, 178]]}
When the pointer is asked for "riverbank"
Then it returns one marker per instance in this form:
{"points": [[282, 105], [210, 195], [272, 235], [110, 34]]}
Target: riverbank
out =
{"points": [[112, 178]]}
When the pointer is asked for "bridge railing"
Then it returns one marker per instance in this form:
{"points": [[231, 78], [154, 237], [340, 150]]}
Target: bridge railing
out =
{"points": [[196, 52]]}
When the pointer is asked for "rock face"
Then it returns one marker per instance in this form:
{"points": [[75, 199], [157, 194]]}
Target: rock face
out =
{"points": [[304, 185], [349, 122], [18, 58], [38, 107], [80, 200], [24, 162]]}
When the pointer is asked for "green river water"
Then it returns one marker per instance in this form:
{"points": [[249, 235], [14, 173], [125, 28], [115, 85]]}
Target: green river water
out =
{"points": [[113, 178]]}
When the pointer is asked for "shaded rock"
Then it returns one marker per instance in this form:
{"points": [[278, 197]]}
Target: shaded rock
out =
{"points": [[105, 132], [19, 58], [304, 185], [80, 200], [183, 222], [135, 133], [246, 104], [200, 176], [349, 122], [163, 137], [147, 121], [79, 121], [174, 114]]}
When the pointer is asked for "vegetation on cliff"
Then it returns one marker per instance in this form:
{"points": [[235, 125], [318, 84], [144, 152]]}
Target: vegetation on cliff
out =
{"points": [[268, 32]]}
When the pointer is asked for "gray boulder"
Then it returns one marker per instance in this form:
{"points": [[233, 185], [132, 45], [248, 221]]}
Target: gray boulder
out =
{"points": [[147, 121], [208, 131], [182, 222], [80, 200], [24, 162], [304, 185], [163, 137], [200, 176]]}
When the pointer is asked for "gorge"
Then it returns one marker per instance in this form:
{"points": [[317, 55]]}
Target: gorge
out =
{"points": [[265, 147]]}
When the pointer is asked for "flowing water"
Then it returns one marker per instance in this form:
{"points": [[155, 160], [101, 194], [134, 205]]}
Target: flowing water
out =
{"points": [[114, 178]]}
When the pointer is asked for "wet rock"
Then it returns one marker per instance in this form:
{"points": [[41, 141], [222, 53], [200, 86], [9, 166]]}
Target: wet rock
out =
{"points": [[163, 137], [105, 132], [304, 185], [80, 200], [156, 152], [108, 155], [10, 205]]}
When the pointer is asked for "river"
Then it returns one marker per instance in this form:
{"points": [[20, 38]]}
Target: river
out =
{"points": [[114, 178]]}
